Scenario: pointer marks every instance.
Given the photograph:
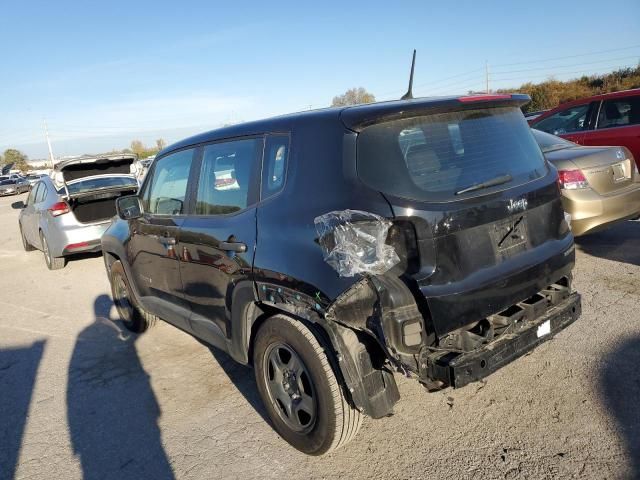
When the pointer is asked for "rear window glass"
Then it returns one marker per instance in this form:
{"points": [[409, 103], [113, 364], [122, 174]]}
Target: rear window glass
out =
{"points": [[435, 156], [98, 183], [549, 143]]}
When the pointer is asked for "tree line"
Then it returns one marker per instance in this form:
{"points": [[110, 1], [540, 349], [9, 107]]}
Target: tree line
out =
{"points": [[551, 93]]}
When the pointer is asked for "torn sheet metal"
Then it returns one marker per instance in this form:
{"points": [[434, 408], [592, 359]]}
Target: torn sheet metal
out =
{"points": [[353, 242]]}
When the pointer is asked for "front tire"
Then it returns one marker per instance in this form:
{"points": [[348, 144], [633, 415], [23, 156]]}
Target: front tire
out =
{"points": [[53, 263], [130, 314], [301, 393]]}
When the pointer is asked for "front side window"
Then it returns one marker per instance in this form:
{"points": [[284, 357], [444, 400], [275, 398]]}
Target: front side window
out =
{"points": [[438, 157], [572, 119], [168, 188], [276, 153], [228, 177], [619, 113]]}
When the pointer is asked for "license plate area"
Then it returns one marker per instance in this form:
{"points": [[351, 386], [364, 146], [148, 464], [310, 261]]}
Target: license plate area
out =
{"points": [[618, 173], [510, 236]]}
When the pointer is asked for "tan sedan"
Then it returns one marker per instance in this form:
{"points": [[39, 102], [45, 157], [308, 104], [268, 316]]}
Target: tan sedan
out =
{"points": [[600, 185]]}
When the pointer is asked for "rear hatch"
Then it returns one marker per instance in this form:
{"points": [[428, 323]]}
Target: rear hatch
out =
{"points": [[91, 185], [478, 212]]}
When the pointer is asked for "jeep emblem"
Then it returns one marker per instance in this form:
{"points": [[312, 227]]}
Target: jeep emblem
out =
{"points": [[517, 205]]}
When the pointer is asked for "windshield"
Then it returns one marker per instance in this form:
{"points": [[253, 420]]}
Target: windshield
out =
{"points": [[99, 183], [549, 143], [433, 157]]}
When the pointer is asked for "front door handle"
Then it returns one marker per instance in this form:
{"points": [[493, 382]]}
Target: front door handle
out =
{"points": [[237, 247]]}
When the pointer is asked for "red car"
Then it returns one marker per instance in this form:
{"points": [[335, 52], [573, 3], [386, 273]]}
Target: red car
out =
{"points": [[608, 119]]}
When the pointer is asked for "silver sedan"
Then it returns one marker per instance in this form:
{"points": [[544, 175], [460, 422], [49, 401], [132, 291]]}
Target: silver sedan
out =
{"points": [[69, 213]]}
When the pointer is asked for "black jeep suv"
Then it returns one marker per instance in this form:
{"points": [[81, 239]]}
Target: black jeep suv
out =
{"points": [[332, 248]]}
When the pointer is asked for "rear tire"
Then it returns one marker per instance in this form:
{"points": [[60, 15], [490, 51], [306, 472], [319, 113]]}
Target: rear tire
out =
{"points": [[133, 318], [25, 243], [53, 263], [300, 391]]}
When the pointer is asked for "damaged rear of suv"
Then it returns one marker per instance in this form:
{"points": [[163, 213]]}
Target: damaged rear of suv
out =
{"points": [[424, 237]]}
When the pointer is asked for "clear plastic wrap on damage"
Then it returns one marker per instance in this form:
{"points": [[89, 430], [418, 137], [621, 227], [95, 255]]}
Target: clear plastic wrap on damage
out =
{"points": [[353, 242]]}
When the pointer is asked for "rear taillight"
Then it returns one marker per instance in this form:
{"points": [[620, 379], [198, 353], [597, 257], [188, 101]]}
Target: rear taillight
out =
{"points": [[59, 208], [572, 180], [402, 237]]}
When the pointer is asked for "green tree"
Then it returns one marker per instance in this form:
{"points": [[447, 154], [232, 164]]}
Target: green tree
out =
{"points": [[353, 96], [138, 147], [17, 158], [160, 144]]}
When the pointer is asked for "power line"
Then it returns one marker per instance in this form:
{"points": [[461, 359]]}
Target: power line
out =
{"points": [[568, 56], [567, 66], [560, 73]]}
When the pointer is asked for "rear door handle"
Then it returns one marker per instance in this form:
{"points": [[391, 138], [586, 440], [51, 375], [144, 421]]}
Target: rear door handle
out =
{"points": [[237, 247]]}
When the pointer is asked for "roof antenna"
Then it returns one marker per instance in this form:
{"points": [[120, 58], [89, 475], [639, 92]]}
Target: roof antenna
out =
{"points": [[409, 94]]}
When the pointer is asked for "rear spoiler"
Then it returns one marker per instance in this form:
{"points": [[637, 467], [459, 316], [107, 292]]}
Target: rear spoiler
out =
{"points": [[358, 117]]}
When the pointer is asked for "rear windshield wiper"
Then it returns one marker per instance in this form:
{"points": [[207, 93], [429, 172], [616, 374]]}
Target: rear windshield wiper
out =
{"points": [[489, 183]]}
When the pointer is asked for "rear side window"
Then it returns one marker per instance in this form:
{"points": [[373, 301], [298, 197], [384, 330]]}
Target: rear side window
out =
{"points": [[276, 153], [168, 189], [229, 176], [42, 193], [435, 156], [619, 112], [31, 199], [572, 119]]}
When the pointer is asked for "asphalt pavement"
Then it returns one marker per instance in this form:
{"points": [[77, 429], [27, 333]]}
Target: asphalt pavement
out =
{"points": [[82, 398]]}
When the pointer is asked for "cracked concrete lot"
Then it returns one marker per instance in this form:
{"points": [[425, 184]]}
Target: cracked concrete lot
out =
{"points": [[81, 398]]}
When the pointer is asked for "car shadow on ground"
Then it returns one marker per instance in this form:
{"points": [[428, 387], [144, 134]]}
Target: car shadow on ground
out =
{"points": [[112, 409], [18, 369], [620, 395], [620, 243], [243, 378], [83, 256]]}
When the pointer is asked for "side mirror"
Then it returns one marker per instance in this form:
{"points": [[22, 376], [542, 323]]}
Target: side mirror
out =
{"points": [[129, 207], [18, 205]]}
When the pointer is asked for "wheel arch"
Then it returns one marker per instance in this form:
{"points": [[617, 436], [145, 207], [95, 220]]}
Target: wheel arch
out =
{"points": [[358, 362]]}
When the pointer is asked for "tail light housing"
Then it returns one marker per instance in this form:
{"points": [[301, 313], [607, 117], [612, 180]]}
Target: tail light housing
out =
{"points": [[572, 180], [59, 208]]}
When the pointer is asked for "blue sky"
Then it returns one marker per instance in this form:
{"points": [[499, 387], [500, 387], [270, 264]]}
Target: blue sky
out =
{"points": [[104, 73]]}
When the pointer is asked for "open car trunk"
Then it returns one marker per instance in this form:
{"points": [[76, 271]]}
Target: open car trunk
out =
{"points": [[76, 169], [97, 207], [91, 185]]}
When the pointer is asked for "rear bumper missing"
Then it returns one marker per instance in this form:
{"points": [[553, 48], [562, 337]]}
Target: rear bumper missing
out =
{"points": [[460, 369]]}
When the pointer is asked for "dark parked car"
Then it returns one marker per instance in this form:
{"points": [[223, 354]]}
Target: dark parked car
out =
{"points": [[14, 186], [611, 119], [425, 237]]}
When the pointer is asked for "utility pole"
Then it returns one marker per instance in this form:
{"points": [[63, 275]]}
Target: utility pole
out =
{"points": [[46, 134], [486, 73]]}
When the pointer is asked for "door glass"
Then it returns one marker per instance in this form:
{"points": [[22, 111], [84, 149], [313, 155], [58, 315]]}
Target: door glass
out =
{"points": [[228, 178], [619, 112], [42, 193], [168, 188], [276, 153], [32, 194], [569, 120]]}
